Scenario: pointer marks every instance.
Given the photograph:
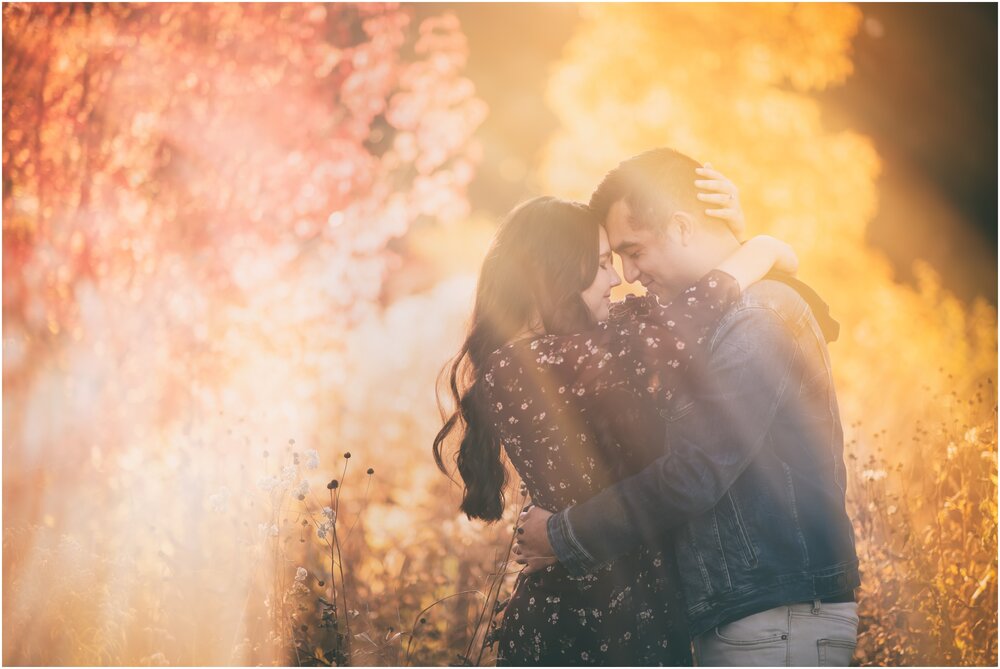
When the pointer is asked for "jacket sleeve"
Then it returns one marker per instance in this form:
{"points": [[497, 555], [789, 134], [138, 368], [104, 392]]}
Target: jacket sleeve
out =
{"points": [[737, 392]]}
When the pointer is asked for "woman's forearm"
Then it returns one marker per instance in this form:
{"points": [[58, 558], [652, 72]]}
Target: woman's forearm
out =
{"points": [[756, 258]]}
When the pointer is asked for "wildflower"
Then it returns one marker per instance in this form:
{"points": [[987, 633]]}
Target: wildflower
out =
{"points": [[952, 450], [347, 455], [333, 485], [219, 500], [323, 529], [301, 574], [370, 471], [288, 473], [268, 483], [873, 474], [312, 458], [329, 513], [303, 487]]}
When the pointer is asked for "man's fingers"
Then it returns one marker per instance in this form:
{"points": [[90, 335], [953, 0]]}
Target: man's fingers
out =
{"points": [[533, 565]]}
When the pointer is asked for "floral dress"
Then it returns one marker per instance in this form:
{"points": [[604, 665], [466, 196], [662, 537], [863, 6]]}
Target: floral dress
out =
{"points": [[576, 414]]}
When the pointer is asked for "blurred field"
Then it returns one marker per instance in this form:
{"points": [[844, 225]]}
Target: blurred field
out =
{"points": [[237, 246]]}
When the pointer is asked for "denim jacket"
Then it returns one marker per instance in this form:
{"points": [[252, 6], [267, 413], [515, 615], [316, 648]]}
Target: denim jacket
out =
{"points": [[750, 491]]}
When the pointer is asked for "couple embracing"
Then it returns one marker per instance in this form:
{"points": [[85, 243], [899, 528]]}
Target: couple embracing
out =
{"points": [[683, 451]]}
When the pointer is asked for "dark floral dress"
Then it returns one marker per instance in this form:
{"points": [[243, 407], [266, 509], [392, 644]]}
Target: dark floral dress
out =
{"points": [[576, 414]]}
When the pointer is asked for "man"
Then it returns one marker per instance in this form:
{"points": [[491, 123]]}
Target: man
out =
{"points": [[752, 480]]}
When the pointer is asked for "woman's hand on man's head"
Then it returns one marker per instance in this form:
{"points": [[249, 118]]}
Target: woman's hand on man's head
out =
{"points": [[719, 190]]}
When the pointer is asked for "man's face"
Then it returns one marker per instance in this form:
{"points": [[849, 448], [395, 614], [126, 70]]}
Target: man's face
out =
{"points": [[662, 261]]}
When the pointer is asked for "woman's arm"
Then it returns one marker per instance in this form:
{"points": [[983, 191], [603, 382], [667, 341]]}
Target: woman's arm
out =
{"points": [[757, 257]]}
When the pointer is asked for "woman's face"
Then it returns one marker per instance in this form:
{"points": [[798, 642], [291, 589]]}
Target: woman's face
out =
{"points": [[597, 296]]}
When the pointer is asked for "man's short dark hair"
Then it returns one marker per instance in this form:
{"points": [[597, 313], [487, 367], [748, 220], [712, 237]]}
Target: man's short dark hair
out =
{"points": [[655, 184]]}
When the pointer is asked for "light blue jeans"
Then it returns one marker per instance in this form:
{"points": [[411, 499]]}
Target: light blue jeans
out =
{"points": [[799, 635]]}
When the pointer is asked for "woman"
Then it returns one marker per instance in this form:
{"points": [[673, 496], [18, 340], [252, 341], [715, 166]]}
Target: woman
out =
{"points": [[572, 397]]}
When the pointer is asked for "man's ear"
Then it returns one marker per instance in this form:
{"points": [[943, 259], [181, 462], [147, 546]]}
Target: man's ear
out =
{"points": [[680, 228]]}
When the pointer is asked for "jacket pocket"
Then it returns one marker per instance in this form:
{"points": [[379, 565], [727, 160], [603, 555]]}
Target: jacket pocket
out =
{"points": [[742, 535]]}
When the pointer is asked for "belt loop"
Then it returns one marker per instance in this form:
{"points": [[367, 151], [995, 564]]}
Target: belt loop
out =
{"points": [[815, 610]]}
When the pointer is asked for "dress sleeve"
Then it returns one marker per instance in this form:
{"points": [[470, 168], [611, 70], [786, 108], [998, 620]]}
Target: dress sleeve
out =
{"points": [[646, 349]]}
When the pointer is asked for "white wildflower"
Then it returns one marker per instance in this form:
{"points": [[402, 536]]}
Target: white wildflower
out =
{"points": [[952, 450], [972, 435], [312, 458], [268, 483], [219, 500], [155, 660], [873, 474], [301, 574], [303, 487], [289, 474], [330, 515]]}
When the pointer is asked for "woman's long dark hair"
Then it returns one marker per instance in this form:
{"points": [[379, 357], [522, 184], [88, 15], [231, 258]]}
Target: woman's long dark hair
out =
{"points": [[542, 257]]}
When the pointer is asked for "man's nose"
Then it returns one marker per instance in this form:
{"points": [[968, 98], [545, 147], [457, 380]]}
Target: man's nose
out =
{"points": [[629, 270]]}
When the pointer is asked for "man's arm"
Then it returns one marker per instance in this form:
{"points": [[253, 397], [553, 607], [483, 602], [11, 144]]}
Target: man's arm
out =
{"points": [[744, 379]]}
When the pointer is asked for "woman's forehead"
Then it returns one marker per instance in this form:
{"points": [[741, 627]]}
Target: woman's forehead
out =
{"points": [[603, 245]]}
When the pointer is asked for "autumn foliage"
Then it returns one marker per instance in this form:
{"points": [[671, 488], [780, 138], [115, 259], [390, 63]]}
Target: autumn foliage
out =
{"points": [[197, 208]]}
